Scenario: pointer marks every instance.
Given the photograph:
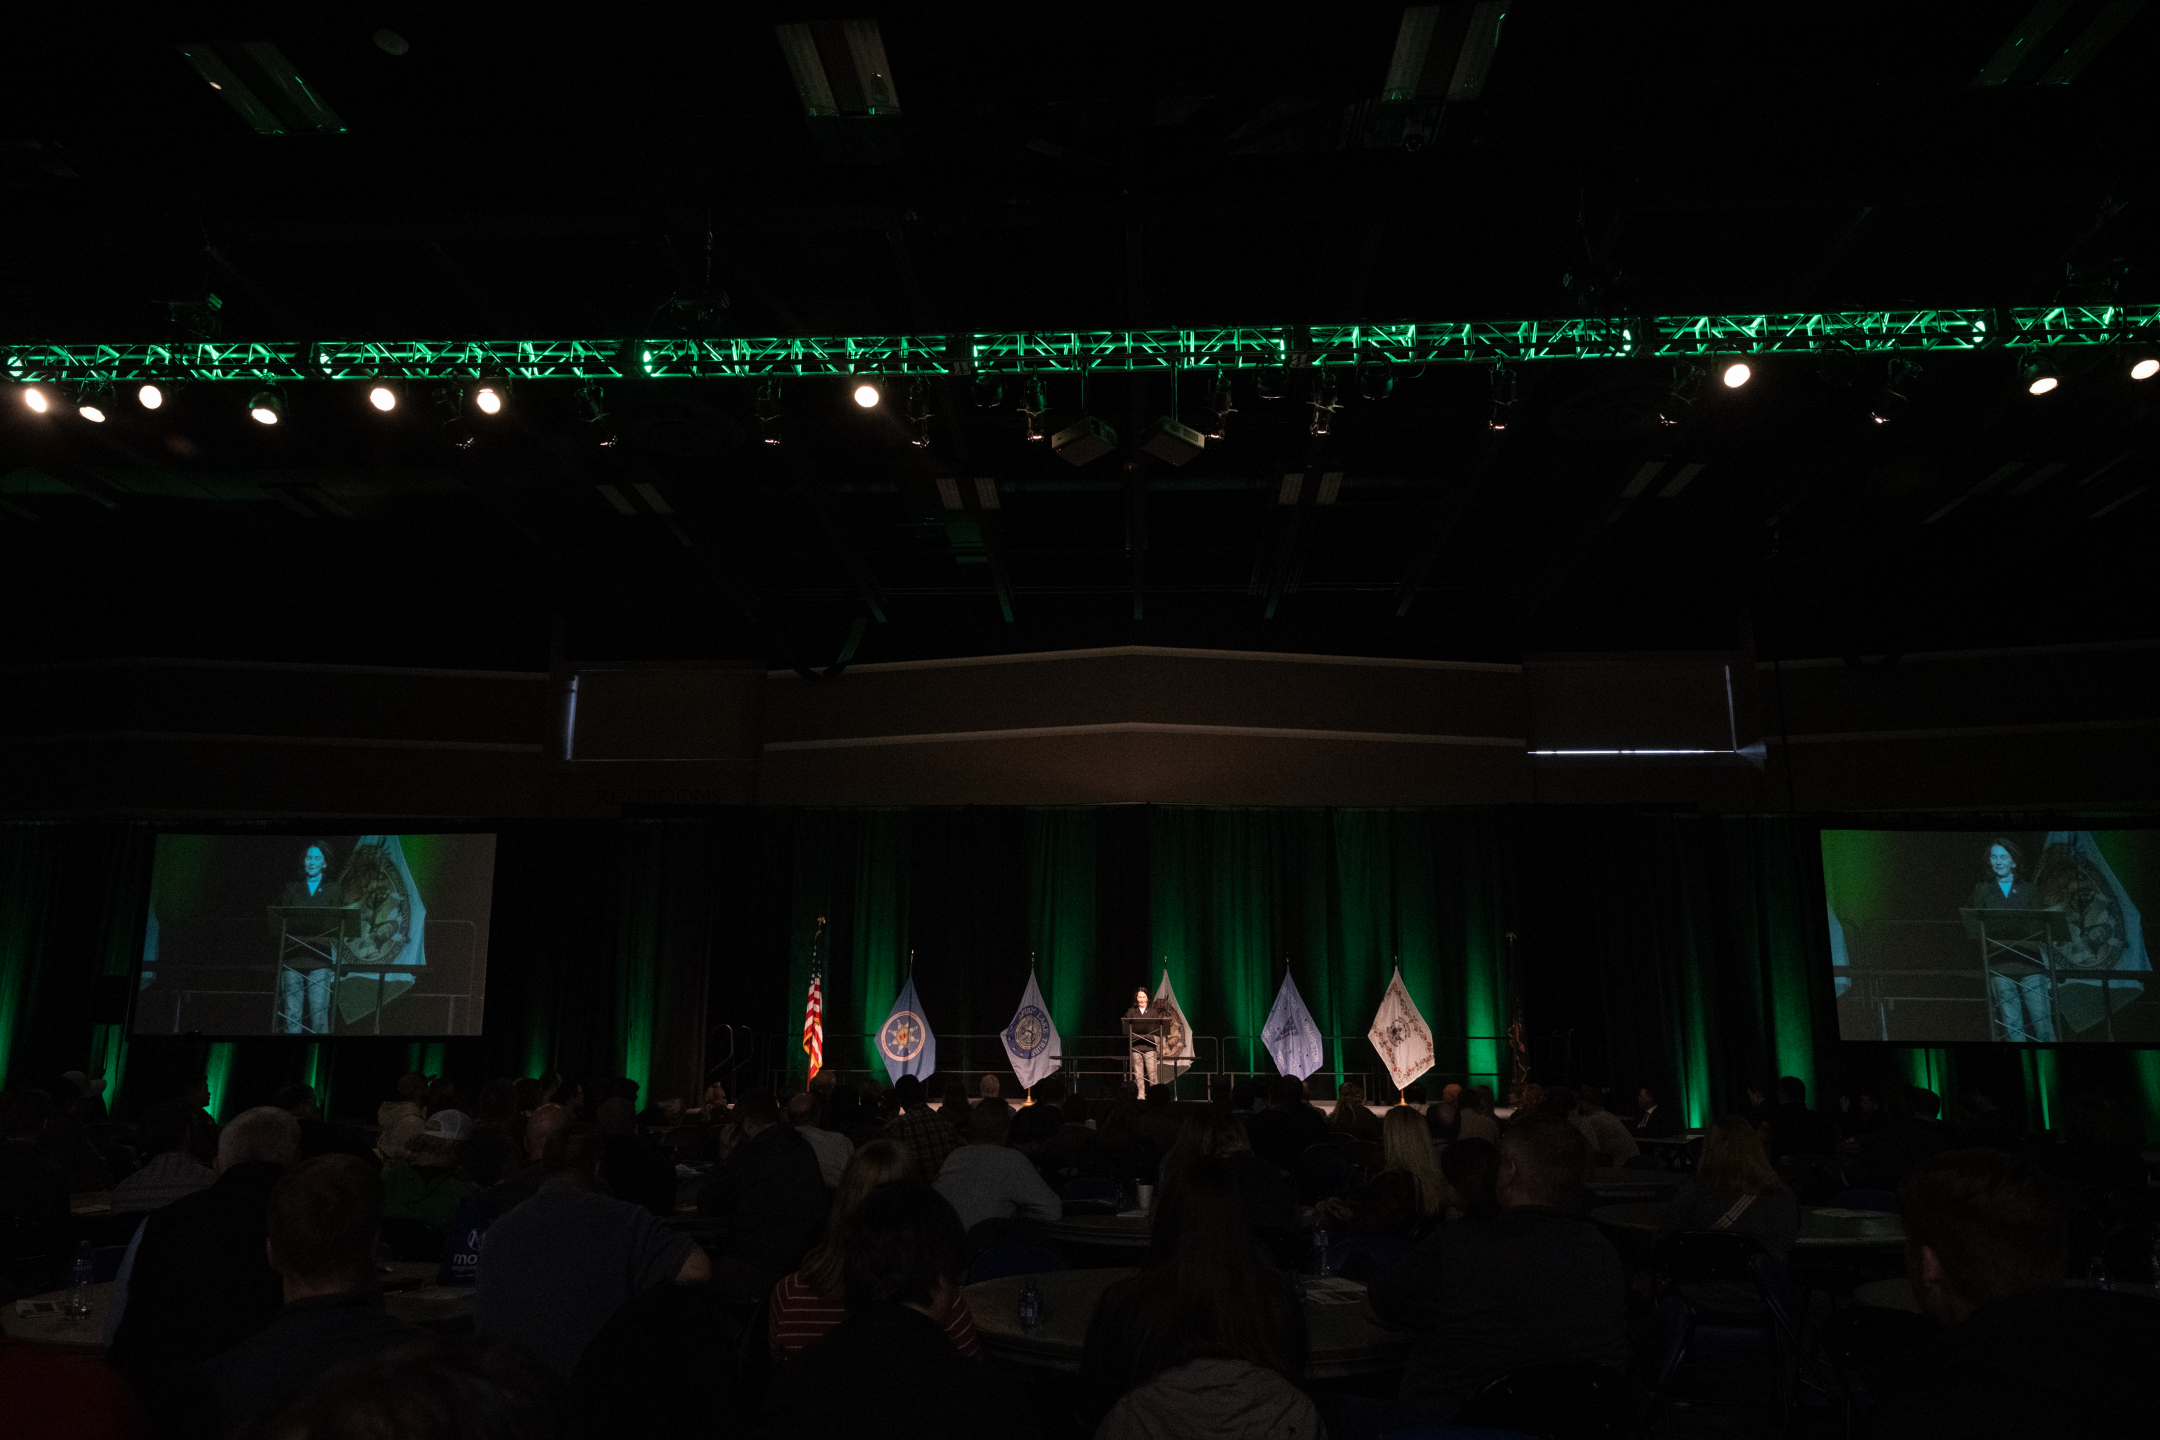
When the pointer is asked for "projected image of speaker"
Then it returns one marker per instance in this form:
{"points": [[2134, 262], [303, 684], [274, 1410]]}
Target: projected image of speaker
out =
{"points": [[2030, 937], [316, 935]]}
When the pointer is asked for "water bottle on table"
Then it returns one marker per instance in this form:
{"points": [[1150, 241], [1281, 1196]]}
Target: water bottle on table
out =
{"points": [[78, 1301], [1320, 1242], [1031, 1305]]}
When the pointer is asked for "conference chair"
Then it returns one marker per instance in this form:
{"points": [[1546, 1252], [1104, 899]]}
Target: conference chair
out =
{"points": [[1715, 1339], [1569, 1400]]}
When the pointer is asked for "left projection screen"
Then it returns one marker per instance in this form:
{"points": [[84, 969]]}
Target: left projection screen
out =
{"points": [[317, 935]]}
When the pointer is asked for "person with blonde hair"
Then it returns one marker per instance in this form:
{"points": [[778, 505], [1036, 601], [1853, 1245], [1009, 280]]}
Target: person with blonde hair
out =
{"points": [[812, 1300], [1265, 1192], [1410, 1196], [1734, 1188]]}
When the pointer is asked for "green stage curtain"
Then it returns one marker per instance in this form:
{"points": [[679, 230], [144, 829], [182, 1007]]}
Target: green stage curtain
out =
{"points": [[1060, 851], [29, 856]]}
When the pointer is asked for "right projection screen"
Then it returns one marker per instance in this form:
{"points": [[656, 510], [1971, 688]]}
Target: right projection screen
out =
{"points": [[2019, 936]]}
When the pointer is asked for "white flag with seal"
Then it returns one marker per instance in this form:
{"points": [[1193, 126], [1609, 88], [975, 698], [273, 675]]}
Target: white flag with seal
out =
{"points": [[1400, 1035], [1177, 1045], [1031, 1041]]}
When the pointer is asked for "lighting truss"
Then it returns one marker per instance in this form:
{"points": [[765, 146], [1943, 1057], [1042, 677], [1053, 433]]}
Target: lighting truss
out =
{"points": [[1455, 342]]}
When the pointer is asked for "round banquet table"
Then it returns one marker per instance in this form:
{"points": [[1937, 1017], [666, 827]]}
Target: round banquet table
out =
{"points": [[1895, 1293], [1128, 1231], [1344, 1340], [54, 1329], [90, 1202], [1820, 1229], [409, 1293]]}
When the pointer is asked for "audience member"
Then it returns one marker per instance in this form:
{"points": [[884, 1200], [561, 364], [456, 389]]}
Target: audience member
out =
{"points": [[423, 1181], [402, 1118], [202, 1129], [1885, 1155], [196, 1279], [317, 1135], [1987, 1123], [1734, 1187], [1288, 1127], [497, 1144], [555, 1268], [472, 1388], [927, 1136], [2022, 1354], [1537, 1284], [1224, 1334], [1794, 1128], [1476, 1120], [323, 1219], [1407, 1198], [632, 1167], [956, 1108], [770, 1200], [1607, 1134], [1472, 1171], [813, 1300], [542, 1126], [1269, 1201], [987, 1180], [807, 1114], [1655, 1120], [890, 1369], [168, 1172], [988, 1087], [1351, 1116]]}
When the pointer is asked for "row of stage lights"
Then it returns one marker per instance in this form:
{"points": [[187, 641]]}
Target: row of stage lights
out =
{"points": [[267, 407]]}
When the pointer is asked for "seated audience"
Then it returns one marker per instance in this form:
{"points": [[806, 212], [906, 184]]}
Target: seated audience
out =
{"points": [[497, 1143], [543, 1125], [769, 1198], [1407, 1198], [555, 1268], [1224, 1334], [1288, 1127], [197, 1280], [1885, 1155], [1472, 1171], [813, 1300], [1157, 1127], [1795, 1129], [424, 1181], [1655, 1120], [2022, 1354], [1351, 1116], [317, 1135], [324, 1216], [1476, 1120], [1534, 1285], [1265, 1192], [471, 1388], [927, 1136], [168, 1171], [1444, 1116], [988, 1087], [986, 1179], [632, 1167], [402, 1118], [807, 1114], [1734, 1188], [1610, 1142], [955, 1109], [1987, 1123], [890, 1368]]}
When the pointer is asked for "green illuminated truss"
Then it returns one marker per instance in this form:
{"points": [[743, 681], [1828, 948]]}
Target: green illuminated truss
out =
{"points": [[1467, 342]]}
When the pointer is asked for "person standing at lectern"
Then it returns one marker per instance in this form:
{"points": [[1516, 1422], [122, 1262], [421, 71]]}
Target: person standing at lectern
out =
{"points": [[304, 979], [2020, 990], [1143, 1046]]}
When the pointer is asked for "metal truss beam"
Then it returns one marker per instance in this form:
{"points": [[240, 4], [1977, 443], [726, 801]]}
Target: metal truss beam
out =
{"points": [[1466, 342]]}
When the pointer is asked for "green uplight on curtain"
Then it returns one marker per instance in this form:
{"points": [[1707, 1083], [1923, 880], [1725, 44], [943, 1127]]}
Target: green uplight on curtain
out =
{"points": [[2145, 1064], [2039, 1075], [217, 1073], [879, 948], [1061, 909]]}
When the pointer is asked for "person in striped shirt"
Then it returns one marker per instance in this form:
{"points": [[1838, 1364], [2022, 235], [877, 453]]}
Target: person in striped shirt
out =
{"points": [[810, 1302]]}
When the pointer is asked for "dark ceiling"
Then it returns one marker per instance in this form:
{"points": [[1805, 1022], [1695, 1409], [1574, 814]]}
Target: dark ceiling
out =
{"points": [[624, 171]]}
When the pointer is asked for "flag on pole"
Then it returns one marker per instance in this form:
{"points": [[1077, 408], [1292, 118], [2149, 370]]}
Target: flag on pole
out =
{"points": [[813, 1025], [2106, 931], [1031, 1041], [1177, 1045], [905, 1039], [1290, 1034], [1400, 1035]]}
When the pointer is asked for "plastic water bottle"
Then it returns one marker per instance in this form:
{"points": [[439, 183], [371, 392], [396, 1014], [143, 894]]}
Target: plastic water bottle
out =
{"points": [[1320, 1242], [78, 1305], [1031, 1306], [2098, 1275], [2156, 1256]]}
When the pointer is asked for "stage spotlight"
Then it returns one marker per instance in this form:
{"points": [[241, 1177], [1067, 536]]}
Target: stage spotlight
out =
{"points": [[91, 412], [2041, 376], [1375, 382], [1736, 374], [266, 407], [594, 399], [866, 395], [2144, 363], [149, 396], [383, 396], [768, 414], [488, 400], [35, 399], [989, 391], [1270, 385], [1889, 400], [1324, 405], [1503, 397], [1222, 403], [1033, 402]]}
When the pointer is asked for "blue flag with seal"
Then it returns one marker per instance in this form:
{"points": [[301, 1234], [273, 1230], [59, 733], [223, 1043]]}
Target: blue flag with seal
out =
{"points": [[1031, 1041], [1290, 1034], [905, 1039]]}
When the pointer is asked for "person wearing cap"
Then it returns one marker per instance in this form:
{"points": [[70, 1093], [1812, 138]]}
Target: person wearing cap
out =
{"points": [[425, 1181]]}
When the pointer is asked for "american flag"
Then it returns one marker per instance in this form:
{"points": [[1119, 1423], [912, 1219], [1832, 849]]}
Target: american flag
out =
{"points": [[813, 1024]]}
